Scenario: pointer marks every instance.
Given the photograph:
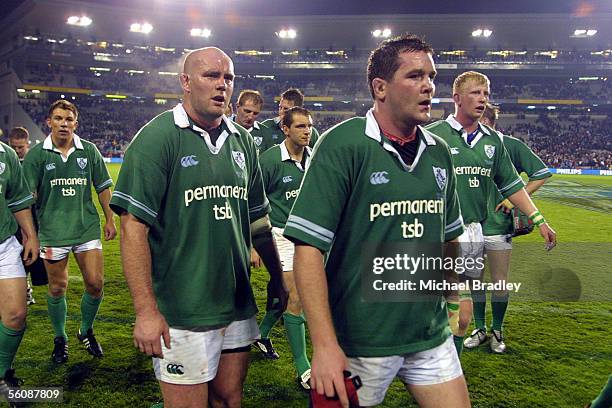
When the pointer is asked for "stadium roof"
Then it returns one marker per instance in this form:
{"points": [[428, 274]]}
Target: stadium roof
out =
{"points": [[517, 24]]}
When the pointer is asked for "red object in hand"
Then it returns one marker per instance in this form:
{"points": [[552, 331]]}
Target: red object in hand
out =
{"points": [[351, 384]]}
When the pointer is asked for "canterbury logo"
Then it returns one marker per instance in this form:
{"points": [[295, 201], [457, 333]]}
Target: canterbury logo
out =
{"points": [[379, 177], [189, 161], [287, 179], [50, 166], [175, 369]]}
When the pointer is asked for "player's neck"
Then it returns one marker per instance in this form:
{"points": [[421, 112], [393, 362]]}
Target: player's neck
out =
{"points": [[467, 123], [205, 123], [400, 130], [63, 144], [296, 152]]}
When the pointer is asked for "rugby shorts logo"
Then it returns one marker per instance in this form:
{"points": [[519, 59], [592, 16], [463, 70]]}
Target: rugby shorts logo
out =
{"points": [[287, 179], [489, 151], [239, 159], [82, 162], [189, 161], [2, 167], [379, 177], [50, 166], [175, 369], [440, 175], [454, 150]]}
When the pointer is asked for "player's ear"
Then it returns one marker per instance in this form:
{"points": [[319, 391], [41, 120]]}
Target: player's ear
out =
{"points": [[379, 87], [457, 99], [285, 130], [48, 121], [76, 124], [184, 78]]}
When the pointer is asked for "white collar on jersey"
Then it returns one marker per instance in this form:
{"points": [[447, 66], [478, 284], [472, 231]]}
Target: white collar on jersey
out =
{"points": [[48, 143], [373, 132], [182, 120], [457, 126], [2, 149], [286, 156]]}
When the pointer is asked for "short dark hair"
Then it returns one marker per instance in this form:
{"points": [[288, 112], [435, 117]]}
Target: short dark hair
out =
{"points": [[383, 60], [250, 95], [63, 104], [491, 113], [294, 95], [19, 132], [287, 119]]}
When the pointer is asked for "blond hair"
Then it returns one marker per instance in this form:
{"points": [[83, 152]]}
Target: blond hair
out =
{"points": [[462, 79]]}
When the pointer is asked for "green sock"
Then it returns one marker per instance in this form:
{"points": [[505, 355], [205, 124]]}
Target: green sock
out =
{"points": [[89, 310], [56, 307], [479, 299], [268, 322], [296, 334], [499, 305], [458, 344], [9, 343], [604, 399]]}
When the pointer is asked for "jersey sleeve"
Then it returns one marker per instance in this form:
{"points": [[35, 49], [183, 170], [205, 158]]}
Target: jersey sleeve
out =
{"points": [[325, 190], [525, 160], [142, 180], [258, 202], [32, 170], [18, 194], [100, 177], [454, 221], [506, 178]]}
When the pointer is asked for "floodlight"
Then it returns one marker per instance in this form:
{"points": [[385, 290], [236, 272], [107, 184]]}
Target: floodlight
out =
{"points": [[591, 32], [291, 33], [477, 33], [487, 33], [377, 33], [82, 21], [580, 32]]}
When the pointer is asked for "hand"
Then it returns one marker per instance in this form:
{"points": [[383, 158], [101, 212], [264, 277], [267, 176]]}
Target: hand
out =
{"points": [[148, 331], [31, 248], [278, 296], [327, 373], [506, 206], [255, 259], [110, 232], [549, 235]]}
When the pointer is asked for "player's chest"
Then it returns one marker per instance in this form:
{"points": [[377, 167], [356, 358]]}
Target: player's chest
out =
{"points": [[195, 163], [75, 165], [482, 154]]}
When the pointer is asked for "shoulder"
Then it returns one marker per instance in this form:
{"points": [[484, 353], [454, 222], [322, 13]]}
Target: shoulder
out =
{"points": [[9, 152], [267, 123], [270, 155]]}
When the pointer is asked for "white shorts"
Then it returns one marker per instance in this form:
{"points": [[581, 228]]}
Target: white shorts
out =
{"points": [[194, 356], [11, 265], [434, 366], [498, 242], [59, 253], [286, 249], [472, 246]]}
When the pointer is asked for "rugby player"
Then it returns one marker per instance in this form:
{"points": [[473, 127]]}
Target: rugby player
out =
{"points": [[19, 140], [190, 195], [498, 229], [383, 158], [61, 172], [270, 131], [248, 107], [282, 168], [15, 202], [479, 157]]}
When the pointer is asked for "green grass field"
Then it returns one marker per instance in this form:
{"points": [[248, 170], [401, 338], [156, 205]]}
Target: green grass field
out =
{"points": [[559, 353]]}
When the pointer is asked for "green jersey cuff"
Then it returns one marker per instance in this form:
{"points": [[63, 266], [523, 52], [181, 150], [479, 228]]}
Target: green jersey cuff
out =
{"points": [[103, 186], [22, 203], [298, 228], [512, 188], [541, 174], [125, 202]]}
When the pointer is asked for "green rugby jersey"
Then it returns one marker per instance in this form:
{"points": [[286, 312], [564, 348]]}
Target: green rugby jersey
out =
{"points": [[64, 206], [525, 161], [356, 190], [282, 177], [14, 192], [269, 133], [476, 165], [198, 200]]}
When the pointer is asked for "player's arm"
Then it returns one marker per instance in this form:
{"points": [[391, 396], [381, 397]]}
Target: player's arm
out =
{"points": [[522, 200], [110, 232], [263, 243], [531, 187], [30, 239], [136, 260], [328, 359]]}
